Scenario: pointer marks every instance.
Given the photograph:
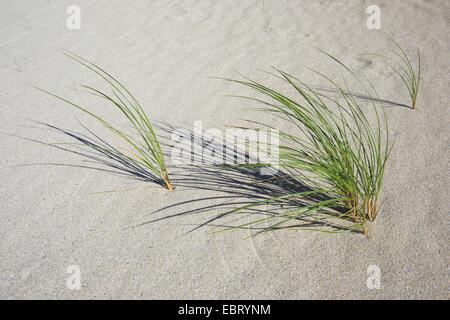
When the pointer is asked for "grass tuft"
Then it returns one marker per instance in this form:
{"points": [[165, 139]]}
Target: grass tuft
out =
{"points": [[337, 152], [403, 67], [144, 150]]}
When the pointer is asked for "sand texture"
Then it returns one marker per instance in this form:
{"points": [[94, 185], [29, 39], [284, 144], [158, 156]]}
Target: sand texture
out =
{"points": [[164, 51]]}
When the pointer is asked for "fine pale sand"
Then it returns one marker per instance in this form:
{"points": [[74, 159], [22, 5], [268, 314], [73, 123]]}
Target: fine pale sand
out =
{"points": [[164, 51]]}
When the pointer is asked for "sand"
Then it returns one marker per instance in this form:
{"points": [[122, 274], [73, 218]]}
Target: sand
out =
{"points": [[55, 217]]}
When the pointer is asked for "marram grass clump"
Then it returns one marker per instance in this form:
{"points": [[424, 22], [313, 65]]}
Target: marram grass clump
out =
{"points": [[144, 153], [336, 151]]}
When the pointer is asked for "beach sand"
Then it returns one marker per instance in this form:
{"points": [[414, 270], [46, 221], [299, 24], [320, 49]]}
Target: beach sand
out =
{"points": [[165, 52]]}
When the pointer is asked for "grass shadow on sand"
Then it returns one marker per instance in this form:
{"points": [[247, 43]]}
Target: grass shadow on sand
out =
{"points": [[97, 154], [245, 193], [364, 97]]}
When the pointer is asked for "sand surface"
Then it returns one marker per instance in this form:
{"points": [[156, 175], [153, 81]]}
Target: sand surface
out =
{"points": [[53, 217]]}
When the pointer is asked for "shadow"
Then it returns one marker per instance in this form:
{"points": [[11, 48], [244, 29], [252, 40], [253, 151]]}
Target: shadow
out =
{"points": [[99, 154], [363, 97], [246, 192]]}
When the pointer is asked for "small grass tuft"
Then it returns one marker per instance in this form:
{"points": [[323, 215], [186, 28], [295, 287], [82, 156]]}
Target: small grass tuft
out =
{"points": [[403, 67]]}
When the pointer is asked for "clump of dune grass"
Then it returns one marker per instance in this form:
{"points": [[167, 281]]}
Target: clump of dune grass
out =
{"points": [[337, 152], [402, 65], [144, 151]]}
